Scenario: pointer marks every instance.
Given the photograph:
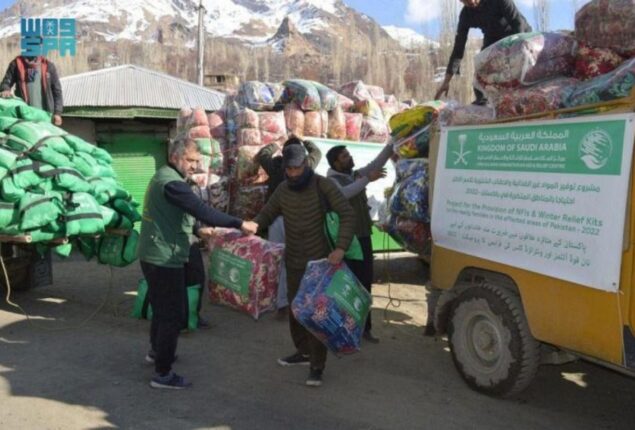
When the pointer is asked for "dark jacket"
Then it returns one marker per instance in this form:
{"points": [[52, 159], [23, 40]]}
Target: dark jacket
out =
{"points": [[51, 87], [273, 165], [497, 19]]}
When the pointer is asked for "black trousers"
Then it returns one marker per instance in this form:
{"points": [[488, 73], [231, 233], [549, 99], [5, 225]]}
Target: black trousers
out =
{"points": [[364, 270], [195, 272], [168, 297]]}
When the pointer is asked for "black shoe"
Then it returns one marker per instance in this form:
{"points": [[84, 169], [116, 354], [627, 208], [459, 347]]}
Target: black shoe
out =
{"points": [[203, 323], [429, 330], [315, 378], [368, 336], [296, 359]]}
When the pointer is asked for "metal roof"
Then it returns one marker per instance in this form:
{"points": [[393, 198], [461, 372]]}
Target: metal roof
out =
{"points": [[134, 86]]}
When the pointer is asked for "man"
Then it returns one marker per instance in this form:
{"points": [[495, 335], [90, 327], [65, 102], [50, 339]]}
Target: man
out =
{"points": [[37, 83], [170, 208], [273, 166], [300, 200], [353, 184], [497, 19]]}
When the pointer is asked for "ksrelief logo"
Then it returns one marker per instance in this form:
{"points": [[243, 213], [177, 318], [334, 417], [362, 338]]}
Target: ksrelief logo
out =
{"points": [[596, 148], [234, 275]]}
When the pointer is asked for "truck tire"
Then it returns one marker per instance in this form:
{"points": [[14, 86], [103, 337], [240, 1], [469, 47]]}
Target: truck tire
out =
{"points": [[491, 344]]}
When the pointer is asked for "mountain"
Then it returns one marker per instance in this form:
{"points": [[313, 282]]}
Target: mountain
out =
{"points": [[408, 38]]}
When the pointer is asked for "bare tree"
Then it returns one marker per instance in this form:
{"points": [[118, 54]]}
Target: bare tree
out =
{"points": [[541, 14]]}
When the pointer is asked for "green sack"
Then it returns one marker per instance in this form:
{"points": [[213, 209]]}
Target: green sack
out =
{"points": [[110, 216], [83, 215], [9, 214], [63, 250], [117, 250], [29, 113], [13, 187], [87, 246], [104, 169], [78, 144], [9, 191], [3, 173], [8, 156], [127, 208], [10, 104], [40, 134], [7, 122], [17, 144], [204, 146], [38, 210], [129, 253], [47, 233], [332, 228], [101, 154], [143, 310], [66, 178], [47, 154], [85, 164]]}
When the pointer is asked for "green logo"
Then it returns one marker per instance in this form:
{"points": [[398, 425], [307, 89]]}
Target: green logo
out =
{"points": [[596, 148], [349, 295], [230, 271]]}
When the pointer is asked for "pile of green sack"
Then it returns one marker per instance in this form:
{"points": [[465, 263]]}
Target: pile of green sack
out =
{"points": [[55, 185]]}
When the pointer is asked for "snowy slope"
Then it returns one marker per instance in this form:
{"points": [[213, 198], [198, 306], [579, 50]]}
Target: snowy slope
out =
{"points": [[408, 38]]}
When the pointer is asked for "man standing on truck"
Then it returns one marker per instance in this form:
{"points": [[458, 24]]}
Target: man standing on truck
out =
{"points": [[497, 19], [36, 82], [272, 165], [301, 201], [353, 185], [169, 210]]}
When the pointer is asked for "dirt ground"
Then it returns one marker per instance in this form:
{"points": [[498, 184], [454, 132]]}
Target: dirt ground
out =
{"points": [[61, 372]]}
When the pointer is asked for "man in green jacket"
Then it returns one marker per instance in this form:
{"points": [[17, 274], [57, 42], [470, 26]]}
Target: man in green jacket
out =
{"points": [[302, 200], [169, 210]]}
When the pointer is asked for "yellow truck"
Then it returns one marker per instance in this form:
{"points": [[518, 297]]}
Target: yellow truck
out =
{"points": [[533, 249]]}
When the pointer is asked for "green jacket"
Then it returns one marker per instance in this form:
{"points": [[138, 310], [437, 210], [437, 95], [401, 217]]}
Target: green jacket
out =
{"points": [[165, 229]]}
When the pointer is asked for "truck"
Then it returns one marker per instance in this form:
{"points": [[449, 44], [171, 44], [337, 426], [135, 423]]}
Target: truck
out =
{"points": [[533, 254]]}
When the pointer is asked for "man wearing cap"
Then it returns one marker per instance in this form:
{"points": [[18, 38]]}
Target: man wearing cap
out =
{"points": [[302, 200], [353, 184], [37, 83]]}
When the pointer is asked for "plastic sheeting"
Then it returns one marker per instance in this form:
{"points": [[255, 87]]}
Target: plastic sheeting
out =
{"points": [[614, 85], [607, 24], [543, 97]]}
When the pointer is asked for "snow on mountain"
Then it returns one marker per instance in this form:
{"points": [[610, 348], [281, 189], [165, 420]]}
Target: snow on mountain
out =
{"points": [[408, 38]]}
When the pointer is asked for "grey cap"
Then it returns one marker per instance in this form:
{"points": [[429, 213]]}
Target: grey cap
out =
{"points": [[293, 155]]}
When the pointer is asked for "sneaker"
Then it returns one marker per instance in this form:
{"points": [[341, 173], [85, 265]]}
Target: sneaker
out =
{"points": [[296, 359], [152, 355], [315, 378], [368, 337], [171, 381]]}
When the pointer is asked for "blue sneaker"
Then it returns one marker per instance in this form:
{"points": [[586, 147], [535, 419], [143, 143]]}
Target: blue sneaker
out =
{"points": [[171, 381]]}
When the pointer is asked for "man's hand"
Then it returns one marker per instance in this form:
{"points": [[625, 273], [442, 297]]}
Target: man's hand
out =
{"points": [[374, 175], [205, 232], [443, 90], [249, 227], [336, 256], [6, 94], [57, 119]]}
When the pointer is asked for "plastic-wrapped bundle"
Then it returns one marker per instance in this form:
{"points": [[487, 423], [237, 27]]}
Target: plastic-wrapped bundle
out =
{"points": [[276, 89], [247, 202], [303, 92], [414, 236], [269, 138], [614, 85], [370, 109], [592, 62], [457, 114], [324, 118], [410, 195], [216, 122], [388, 109], [409, 121], [247, 118], [376, 92], [337, 124], [256, 95], [182, 119], [345, 103], [607, 24], [313, 124], [198, 118], [328, 97], [353, 125], [199, 132], [294, 118], [374, 130], [272, 122], [244, 272], [333, 305], [216, 159], [248, 137], [355, 90], [218, 192], [543, 97], [247, 170], [524, 59]]}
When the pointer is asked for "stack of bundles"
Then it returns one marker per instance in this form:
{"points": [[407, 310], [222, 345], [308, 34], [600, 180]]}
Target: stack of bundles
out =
{"points": [[366, 100], [244, 272], [409, 219], [332, 305], [607, 24], [55, 185], [455, 114], [195, 123], [307, 104], [353, 125], [390, 106], [412, 129], [614, 85], [545, 96], [259, 96], [218, 133]]}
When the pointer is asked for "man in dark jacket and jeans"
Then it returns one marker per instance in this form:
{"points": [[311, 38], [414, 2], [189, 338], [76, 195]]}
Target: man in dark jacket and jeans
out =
{"points": [[169, 210], [301, 201], [37, 83], [496, 18]]}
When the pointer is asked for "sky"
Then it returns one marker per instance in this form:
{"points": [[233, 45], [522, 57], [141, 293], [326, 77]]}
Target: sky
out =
{"points": [[423, 15]]}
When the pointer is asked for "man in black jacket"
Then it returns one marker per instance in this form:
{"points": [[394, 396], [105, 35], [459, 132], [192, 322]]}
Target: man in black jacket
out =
{"points": [[37, 83], [497, 19]]}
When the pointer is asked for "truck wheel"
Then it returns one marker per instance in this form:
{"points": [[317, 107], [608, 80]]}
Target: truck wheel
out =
{"points": [[492, 346]]}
